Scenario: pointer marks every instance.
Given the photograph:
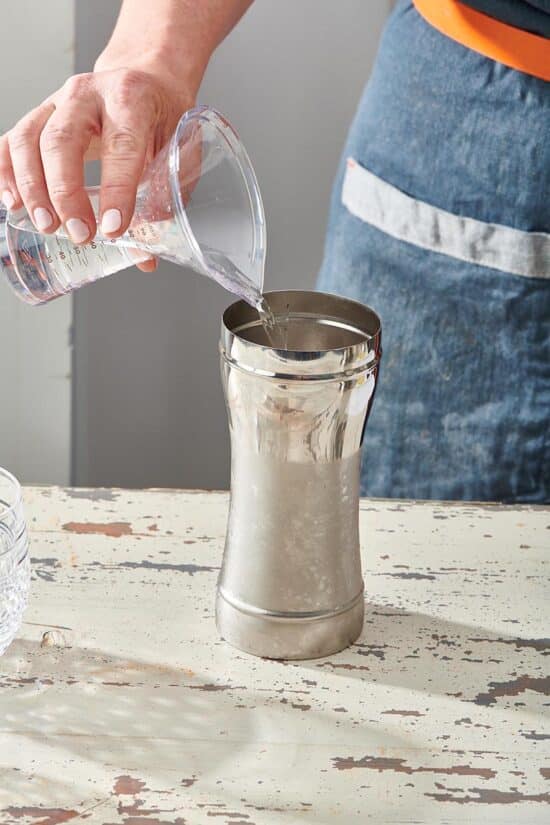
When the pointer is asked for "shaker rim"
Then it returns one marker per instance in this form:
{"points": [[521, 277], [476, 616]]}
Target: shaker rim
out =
{"points": [[331, 338], [229, 328]]}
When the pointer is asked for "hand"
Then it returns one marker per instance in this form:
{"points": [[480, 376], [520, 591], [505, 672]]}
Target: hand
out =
{"points": [[122, 116]]}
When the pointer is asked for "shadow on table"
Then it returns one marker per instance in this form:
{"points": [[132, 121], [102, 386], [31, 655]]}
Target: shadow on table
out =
{"points": [[424, 653], [87, 694], [121, 727]]}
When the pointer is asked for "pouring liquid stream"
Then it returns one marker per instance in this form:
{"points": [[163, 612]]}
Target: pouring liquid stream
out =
{"points": [[228, 275]]}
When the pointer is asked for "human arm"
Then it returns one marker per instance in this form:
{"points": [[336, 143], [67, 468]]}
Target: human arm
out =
{"points": [[123, 112]]}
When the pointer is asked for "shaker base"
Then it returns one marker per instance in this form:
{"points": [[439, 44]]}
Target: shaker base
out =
{"points": [[288, 637]]}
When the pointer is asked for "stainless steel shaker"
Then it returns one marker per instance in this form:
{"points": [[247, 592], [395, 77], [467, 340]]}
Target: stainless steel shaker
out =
{"points": [[291, 586]]}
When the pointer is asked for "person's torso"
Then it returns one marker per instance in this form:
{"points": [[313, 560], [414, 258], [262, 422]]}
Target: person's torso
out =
{"points": [[530, 15]]}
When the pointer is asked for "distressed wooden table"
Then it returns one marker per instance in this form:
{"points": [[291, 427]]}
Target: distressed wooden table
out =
{"points": [[119, 704]]}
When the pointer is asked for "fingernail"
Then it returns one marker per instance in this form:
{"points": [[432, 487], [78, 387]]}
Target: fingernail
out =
{"points": [[111, 221], [78, 230], [42, 218], [8, 199]]}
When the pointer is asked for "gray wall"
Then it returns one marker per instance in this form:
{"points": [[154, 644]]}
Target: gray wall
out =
{"points": [[35, 351], [148, 406]]}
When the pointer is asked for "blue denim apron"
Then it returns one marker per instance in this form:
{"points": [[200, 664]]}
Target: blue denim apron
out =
{"points": [[439, 220]]}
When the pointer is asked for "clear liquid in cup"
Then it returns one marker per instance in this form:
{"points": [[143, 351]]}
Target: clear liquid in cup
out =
{"points": [[43, 267]]}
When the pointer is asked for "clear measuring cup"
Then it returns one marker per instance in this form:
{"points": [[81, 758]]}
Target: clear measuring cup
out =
{"points": [[198, 205]]}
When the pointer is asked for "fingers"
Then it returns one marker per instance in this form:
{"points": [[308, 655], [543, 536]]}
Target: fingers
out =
{"points": [[122, 161], [42, 160], [42, 157], [22, 166], [150, 265], [63, 144], [147, 263], [8, 190], [127, 128]]}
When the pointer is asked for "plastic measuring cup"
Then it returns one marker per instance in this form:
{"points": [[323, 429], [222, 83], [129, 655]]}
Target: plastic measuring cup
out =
{"points": [[198, 205]]}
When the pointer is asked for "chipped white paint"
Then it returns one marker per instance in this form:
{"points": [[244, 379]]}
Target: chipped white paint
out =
{"points": [[131, 710]]}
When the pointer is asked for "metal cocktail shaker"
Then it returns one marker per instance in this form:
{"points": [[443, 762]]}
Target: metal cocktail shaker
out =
{"points": [[291, 585]]}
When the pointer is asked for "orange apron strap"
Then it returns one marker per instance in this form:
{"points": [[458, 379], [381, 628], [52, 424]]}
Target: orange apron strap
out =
{"points": [[506, 44]]}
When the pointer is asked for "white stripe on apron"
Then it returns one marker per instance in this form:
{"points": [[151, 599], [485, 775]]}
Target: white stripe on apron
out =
{"points": [[492, 245]]}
